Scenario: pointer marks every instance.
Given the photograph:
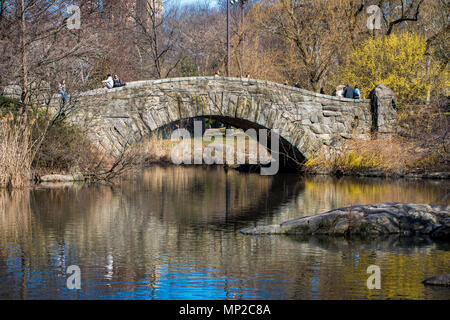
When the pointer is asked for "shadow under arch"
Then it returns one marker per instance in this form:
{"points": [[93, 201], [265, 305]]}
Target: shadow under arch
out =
{"points": [[290, 158]]}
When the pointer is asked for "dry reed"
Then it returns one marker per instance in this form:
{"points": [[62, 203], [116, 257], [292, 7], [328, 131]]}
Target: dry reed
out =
{"points": [[16, 150]]}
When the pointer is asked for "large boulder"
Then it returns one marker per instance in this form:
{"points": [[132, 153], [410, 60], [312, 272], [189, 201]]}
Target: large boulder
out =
{"points": [[383, 106], [62, 177], [12, 91], [376, 219], [440, 280]]}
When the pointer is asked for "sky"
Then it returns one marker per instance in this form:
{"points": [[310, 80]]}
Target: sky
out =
{"points": [[192, 1]]}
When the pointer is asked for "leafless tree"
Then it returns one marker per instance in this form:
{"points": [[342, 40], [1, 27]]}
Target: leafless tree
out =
{"points": [[203, 37], [37, 41], [157, 35]]}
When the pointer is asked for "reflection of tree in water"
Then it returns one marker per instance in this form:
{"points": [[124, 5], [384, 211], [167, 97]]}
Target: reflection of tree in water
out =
{"points": [[144, 229], [404, 263], [15, 228], [15, 217], [324, 193], [374, 190]]}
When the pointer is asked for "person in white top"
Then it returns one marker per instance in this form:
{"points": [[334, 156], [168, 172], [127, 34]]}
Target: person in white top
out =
{"points": [[109, 82], [340, 91]]}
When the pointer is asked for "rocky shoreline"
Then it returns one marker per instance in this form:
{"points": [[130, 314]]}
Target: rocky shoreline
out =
{"points": [[382, 173], [374, 219], [369, 173], [76, 177]]}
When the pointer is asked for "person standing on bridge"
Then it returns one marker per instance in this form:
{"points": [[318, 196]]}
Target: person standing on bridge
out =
{"points": [[62, 90], [109, 82]]}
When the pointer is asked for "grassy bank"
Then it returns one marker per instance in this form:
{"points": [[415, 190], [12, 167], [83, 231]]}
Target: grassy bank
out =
{"points": [[420, 145], [385, 156]]}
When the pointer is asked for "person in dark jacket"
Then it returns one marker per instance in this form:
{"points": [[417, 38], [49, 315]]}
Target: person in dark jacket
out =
{"points": [[117, 82], [356, 93], [348, 93]]}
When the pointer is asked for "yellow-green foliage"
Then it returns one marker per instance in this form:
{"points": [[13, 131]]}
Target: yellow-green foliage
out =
{"points": [[397, 61], [359, 160], [348, 160], [427, 162], [318, 161]]}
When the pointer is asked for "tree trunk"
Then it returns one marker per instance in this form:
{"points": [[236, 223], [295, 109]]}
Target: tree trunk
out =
{"points": [[25, 84], [429, 87]]}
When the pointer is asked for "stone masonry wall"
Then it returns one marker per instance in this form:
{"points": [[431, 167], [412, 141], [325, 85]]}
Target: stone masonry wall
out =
{"points": [[308, 121]]}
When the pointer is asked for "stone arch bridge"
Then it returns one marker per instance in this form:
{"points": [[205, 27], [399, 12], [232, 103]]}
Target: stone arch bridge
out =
{"points": [[307, 122]]}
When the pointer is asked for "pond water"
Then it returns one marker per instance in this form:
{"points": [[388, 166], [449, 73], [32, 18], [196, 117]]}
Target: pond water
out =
{"points": [[173, 233]]}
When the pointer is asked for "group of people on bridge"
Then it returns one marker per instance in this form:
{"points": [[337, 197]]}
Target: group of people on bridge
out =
{"points": [[109, 83], [342, 91], [349, 92]]}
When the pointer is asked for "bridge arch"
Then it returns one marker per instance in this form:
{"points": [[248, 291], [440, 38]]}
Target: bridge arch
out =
{"points": [[289, 157]]}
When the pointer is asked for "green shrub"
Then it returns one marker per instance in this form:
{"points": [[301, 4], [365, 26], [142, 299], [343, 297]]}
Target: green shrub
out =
{"points": [[65, 148]]}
